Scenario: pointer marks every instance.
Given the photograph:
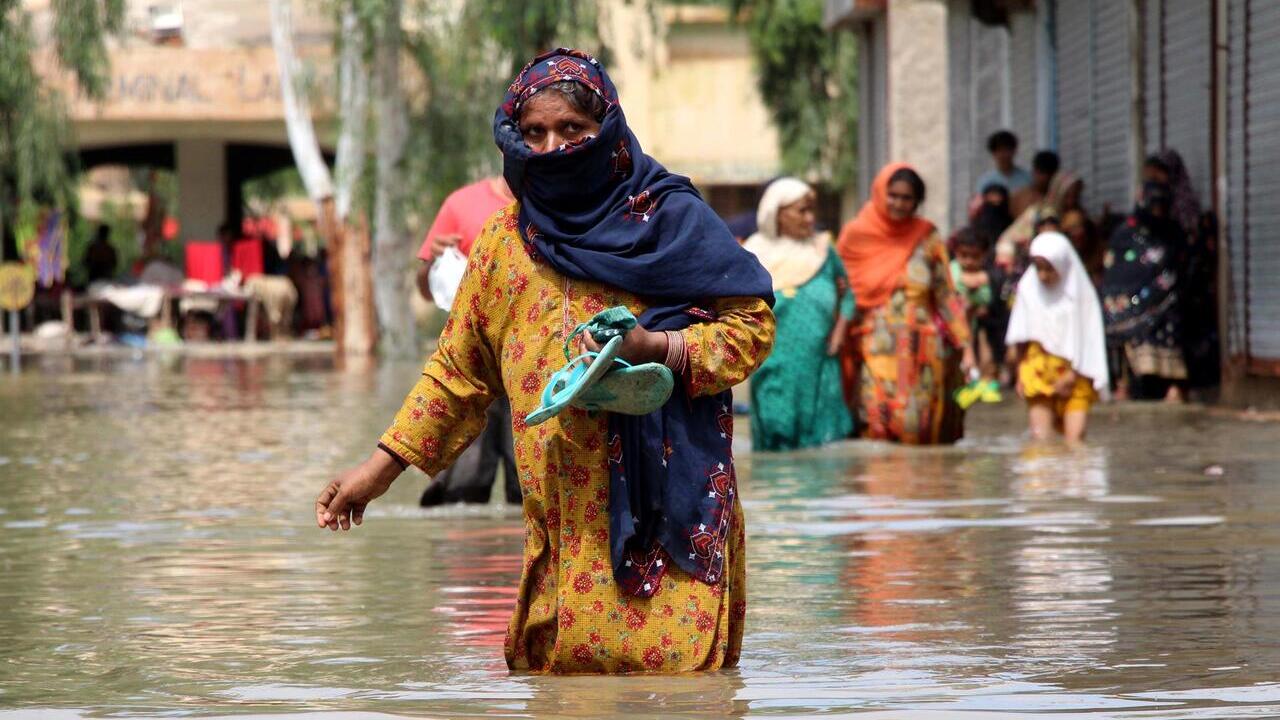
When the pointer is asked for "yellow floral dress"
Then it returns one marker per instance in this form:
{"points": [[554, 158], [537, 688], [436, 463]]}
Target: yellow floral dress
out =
{"points": [[505, 336], [902, 359], [1039, 373]]}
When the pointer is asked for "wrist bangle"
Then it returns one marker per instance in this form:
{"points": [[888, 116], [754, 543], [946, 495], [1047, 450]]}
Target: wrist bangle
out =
{"points": [[675, 352]]}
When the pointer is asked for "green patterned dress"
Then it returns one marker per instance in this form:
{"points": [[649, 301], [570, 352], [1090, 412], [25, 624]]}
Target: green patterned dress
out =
{"points": [[797, 400]]}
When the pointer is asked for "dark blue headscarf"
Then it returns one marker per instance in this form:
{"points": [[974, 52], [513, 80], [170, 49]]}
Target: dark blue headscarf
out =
{"points": [[601, 210]]}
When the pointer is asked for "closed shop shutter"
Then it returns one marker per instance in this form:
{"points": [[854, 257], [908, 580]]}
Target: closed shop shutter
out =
{"points": [[964, 152], [1178, 40], [1236, 208], [1094, 100], [1023, 68], [1112, 180], [1254, 150], [873, 138], [1075, 81]]}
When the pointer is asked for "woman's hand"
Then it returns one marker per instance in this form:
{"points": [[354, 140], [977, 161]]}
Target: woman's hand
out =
{"points": [[342, 502], [440, 243], [638, 346], [835, 343], [968, 361]]}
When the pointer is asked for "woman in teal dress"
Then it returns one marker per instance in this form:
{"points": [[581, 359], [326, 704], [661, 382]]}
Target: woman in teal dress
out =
{"points": [[797, 399]]}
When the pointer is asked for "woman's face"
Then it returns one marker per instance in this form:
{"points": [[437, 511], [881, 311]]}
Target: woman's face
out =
{"points": [[798, 219], [1045, 271], [548, 121], [902, 200]]}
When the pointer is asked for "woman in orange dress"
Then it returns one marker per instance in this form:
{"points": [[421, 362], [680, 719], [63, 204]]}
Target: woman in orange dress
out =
{"points": [[909, 338]]}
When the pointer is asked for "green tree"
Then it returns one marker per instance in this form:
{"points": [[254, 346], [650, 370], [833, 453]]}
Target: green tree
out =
{"points": [[808, 80], [34, 131]]}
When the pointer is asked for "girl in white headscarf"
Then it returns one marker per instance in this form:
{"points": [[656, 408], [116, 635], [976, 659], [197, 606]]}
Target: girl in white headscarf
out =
{"points": [[1057, 328], [796, 396]]}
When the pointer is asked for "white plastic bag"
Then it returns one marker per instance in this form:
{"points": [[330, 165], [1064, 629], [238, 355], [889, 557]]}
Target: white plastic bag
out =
{"points": [[445, 276]]}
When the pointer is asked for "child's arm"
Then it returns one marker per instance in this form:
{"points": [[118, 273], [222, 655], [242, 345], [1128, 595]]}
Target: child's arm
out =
{"points": [[1018, 353]]}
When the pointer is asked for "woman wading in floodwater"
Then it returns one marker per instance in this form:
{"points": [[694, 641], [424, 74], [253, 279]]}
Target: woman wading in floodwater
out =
{"points": [[633, 555]]}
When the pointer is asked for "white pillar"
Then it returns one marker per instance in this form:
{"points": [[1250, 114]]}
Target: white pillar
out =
{"points": [[202, 187], [918, 112]]}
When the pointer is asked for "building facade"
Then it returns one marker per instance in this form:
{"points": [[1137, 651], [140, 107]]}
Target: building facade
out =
{"points": [[1104, 83]]}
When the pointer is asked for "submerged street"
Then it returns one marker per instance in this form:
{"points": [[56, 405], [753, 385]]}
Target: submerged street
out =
{"points": [[160, 555]]}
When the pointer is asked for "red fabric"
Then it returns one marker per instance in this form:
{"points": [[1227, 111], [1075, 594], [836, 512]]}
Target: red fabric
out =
{"points": [[875, 247], [246, 256], [204, 262], [464, 213]]}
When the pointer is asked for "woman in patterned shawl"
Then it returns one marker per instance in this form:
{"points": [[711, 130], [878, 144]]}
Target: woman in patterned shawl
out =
{"points": [[909, 338], [1140, 295], [633, 553]]}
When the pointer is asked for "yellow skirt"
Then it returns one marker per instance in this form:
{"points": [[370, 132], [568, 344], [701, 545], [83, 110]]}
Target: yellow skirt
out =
{"points": [[1039, 371]]}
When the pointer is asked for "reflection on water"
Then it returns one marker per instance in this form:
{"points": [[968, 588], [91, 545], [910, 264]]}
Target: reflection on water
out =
{"points": [[158, 556]]}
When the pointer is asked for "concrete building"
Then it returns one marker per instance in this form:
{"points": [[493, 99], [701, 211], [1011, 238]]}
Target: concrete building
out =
{"points": [[1104, 83]]}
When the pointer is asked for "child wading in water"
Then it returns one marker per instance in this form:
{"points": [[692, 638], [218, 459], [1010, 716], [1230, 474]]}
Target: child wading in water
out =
{"points": [[1056, 326], [972, 273]]}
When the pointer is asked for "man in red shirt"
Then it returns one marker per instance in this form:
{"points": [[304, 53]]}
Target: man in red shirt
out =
{"points": [[470, 480]]}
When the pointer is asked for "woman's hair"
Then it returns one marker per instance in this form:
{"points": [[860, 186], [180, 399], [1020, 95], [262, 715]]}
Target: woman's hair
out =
{"points": [[579, 96], [1155, 162], [997, 187], [912, 178]]}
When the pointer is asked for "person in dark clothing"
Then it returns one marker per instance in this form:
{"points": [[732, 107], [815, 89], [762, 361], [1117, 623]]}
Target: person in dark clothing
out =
{"points": [[1141, 296], [993, 217], [100, 258]]}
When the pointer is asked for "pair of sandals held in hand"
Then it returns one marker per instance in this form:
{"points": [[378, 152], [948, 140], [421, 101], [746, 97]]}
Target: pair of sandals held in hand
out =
{"points": [[602, 381]]}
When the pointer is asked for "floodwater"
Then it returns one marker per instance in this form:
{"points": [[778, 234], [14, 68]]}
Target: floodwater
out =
{"points": [[159, 556]]}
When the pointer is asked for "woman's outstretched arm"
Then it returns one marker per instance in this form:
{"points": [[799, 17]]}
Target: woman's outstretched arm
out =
{"points": [[443, 412]]}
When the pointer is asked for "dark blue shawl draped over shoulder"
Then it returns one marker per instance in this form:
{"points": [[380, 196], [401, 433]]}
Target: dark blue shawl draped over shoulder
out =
{"points": [[601, 210]]}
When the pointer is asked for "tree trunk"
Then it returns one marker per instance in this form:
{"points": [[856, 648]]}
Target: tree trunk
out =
{"points": [[392, 246], [349, 277], [297, 114], [353, 111]]}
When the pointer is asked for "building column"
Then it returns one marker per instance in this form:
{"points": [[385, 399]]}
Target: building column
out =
{"points": [[202, 187], [918, 112]]}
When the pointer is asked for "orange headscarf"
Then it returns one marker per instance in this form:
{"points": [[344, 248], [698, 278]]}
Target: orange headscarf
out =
{"points": [[875, 247]]}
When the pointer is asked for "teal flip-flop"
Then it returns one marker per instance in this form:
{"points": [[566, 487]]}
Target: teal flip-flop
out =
{"points": [[602, 381], [629, 389], [578, 375]]}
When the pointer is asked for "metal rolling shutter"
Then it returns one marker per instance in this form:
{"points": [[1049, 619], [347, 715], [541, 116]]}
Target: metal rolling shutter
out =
{"points": [[1023, 66], [1188, 88], [1183, 120], [979, 97], [873, 137], [1253, 214], [964, 153], [1152, 72], [1075, 80], [1262, 167], [1112, 180], [1236, 210]]}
